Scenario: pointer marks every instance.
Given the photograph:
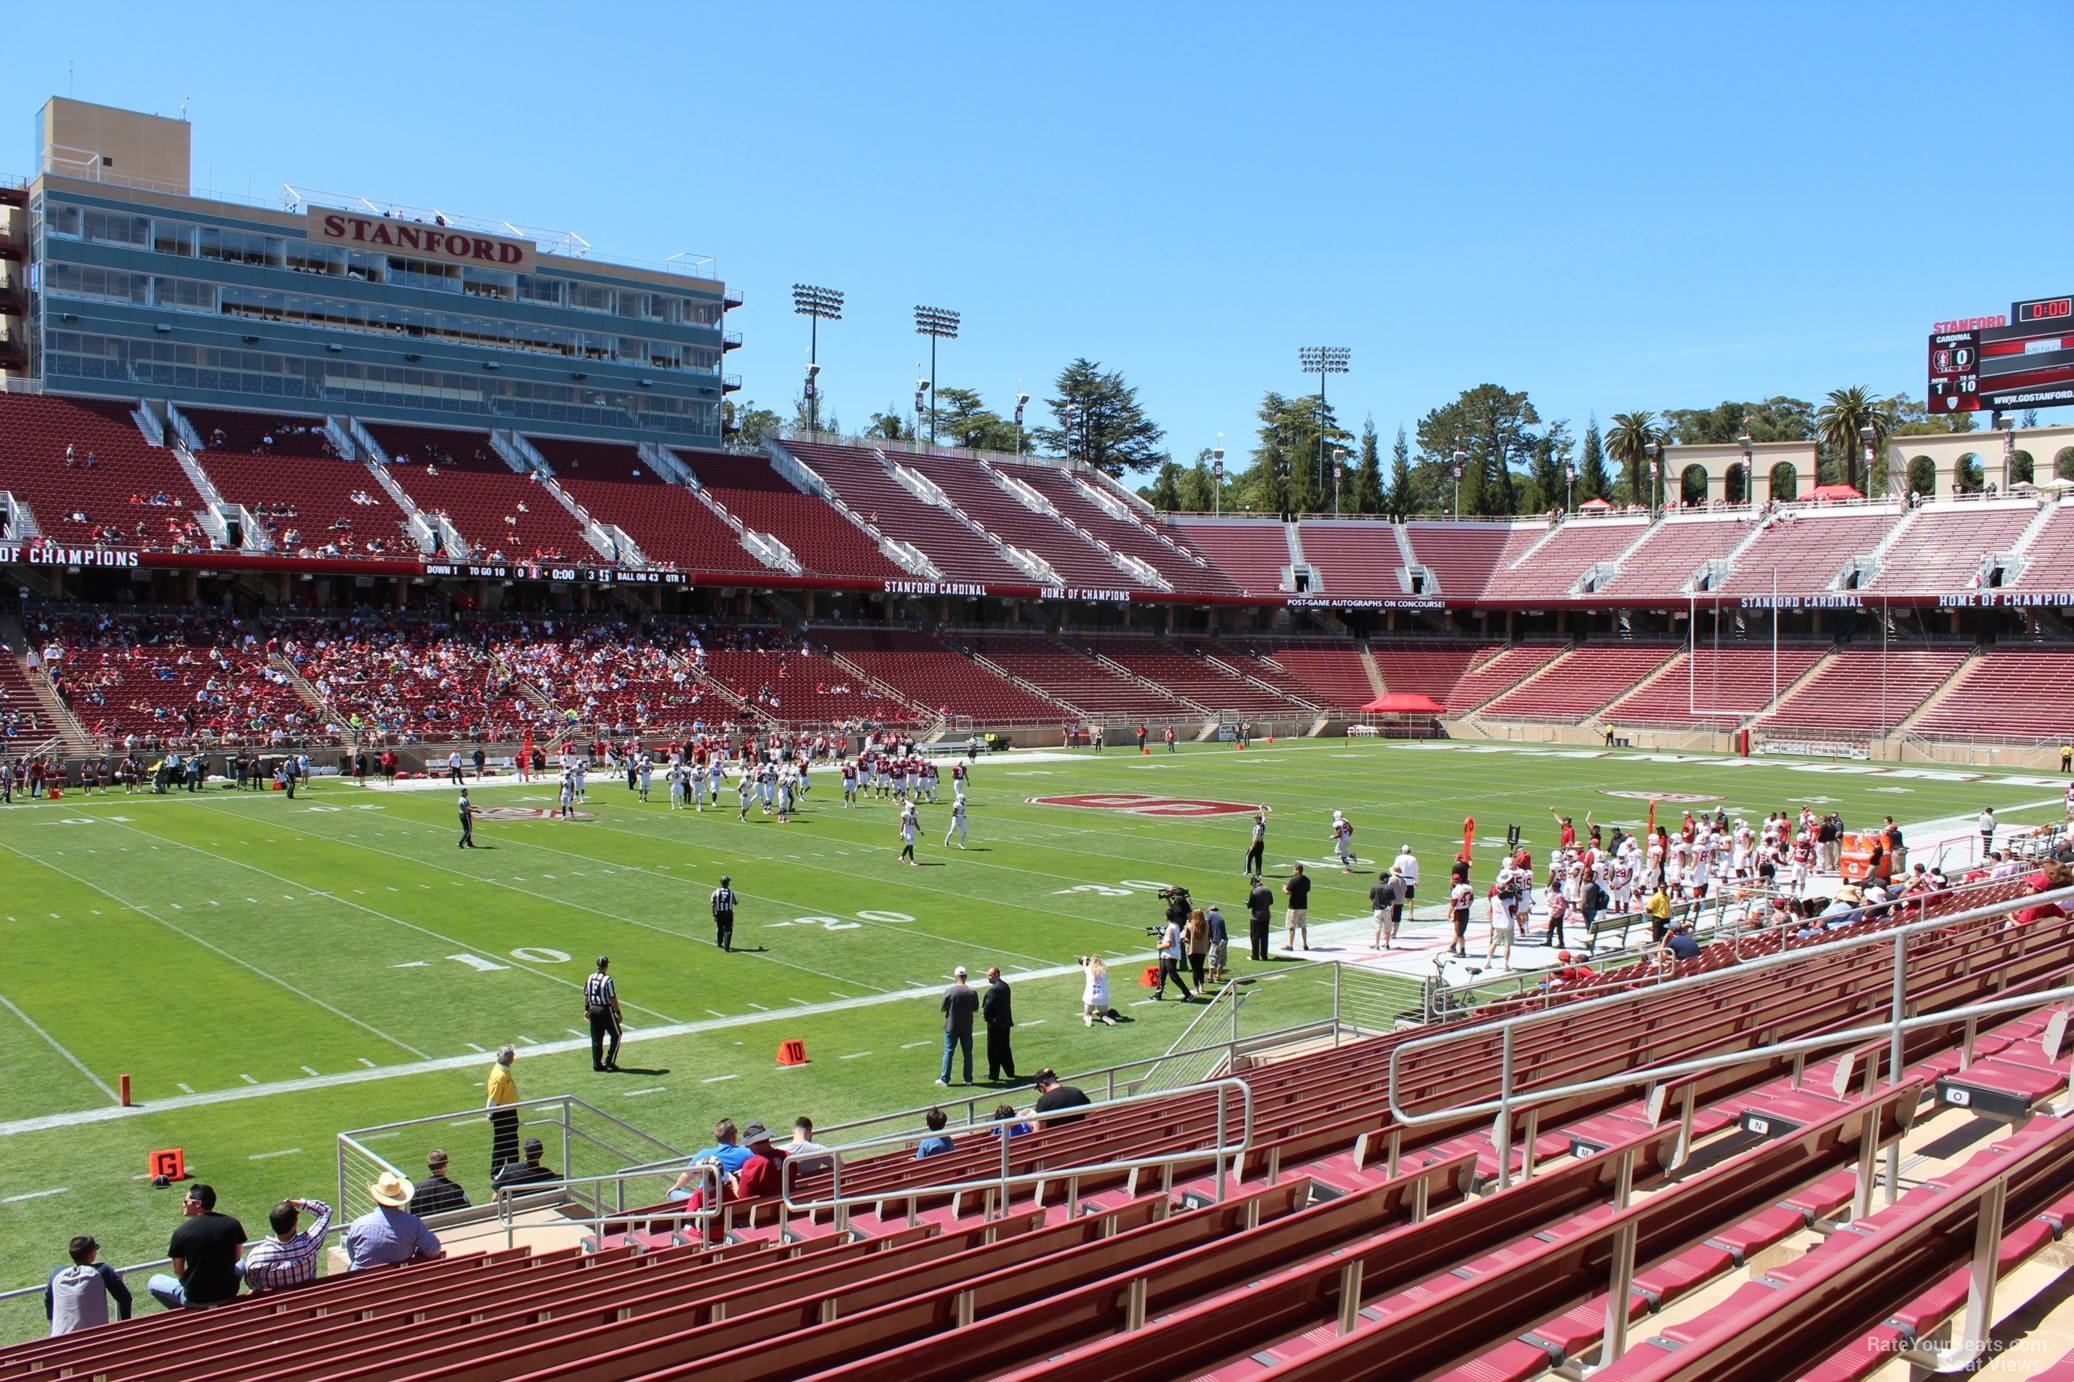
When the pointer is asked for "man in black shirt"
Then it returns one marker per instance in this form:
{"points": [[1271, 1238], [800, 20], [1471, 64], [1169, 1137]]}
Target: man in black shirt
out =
{"points": [[1052, 1096], [1298, 917], [205, 1253], [435, 1193], [527, 1172], [996, 1008], [1260, 910]]}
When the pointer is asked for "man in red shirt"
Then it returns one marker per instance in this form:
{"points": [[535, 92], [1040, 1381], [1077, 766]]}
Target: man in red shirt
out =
{"points": [[759, 1175]]}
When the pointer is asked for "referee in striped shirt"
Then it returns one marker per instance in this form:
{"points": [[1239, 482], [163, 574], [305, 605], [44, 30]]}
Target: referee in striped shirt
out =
{"points": [[601, 1006], [724, 900]]}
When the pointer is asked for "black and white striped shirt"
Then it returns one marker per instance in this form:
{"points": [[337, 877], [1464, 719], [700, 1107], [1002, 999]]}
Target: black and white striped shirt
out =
{"points": [[723, 901], [598, 991]]}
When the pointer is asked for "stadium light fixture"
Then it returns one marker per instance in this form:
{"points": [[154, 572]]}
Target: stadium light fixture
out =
{"points": [[938, 324], [1569, 487], [1456, 469], [1339, 470], [1022, 400], [817, 305], [1656, 475], [921, 399], [1321, 361]]}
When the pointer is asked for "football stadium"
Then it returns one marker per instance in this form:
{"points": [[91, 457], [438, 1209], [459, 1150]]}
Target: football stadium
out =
{"points": [[974, 897]]}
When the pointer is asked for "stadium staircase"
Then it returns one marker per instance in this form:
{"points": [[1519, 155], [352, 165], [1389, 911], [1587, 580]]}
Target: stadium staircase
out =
{"points": [[1936, 699], [327, 712], [1375, 674], [53, 718], [1660, 1173]]}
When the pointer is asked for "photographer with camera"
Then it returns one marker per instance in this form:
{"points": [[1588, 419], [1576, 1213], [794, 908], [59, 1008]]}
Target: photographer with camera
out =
{"points": [[1172, 951]]}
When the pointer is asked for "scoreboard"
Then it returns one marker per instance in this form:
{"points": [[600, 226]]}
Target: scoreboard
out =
{"points": [[2028, 363]]}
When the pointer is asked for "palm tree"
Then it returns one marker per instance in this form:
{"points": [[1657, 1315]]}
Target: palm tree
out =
{"points": [[1627, 441], [1840, 423]]}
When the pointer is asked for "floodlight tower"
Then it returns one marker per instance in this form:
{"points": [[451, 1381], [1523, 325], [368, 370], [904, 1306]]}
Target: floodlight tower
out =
{"points": [[817, 305], [1321, 361], [938, 324]]}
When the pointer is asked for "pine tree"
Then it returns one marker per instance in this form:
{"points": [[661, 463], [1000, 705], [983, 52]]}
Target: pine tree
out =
{"points": [[1591, 469], [1368, 482], [1399, 503]]}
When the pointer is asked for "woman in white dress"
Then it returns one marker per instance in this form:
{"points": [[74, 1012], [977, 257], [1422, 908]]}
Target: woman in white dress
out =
{"points": [[1094, 994]]}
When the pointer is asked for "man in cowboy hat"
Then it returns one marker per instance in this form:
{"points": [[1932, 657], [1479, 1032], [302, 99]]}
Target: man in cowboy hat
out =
{"points": [[389, 1232]]}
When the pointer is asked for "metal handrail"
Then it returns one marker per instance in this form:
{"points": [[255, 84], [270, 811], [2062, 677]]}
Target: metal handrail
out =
{"points": [[1510, 1099], [355, 1139], [1222, 1151], [710, 1197]]}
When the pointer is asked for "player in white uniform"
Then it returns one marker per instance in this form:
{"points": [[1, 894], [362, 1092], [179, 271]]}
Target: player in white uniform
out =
{"points": [[745, 790], [910, 822], [957, 824], [1343, 841], [646, 767], [582, 788], [849, 772], [680, 778], [568, 792]]}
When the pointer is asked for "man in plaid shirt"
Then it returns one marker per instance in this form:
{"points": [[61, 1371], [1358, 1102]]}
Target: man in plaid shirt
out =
{"points": [[289, 1258]]}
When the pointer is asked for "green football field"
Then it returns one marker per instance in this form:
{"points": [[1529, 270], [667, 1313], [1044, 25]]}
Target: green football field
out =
{"points": [[270, 972]]}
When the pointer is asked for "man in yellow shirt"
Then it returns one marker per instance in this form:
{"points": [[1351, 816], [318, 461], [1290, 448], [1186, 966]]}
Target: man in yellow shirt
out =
{"points": [[1659, 909], [2067, 758], [501, 1100]]}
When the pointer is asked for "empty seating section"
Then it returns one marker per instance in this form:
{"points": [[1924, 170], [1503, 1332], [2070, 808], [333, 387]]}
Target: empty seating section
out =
{"points": [[1130, 536], [313, 506], [174, 680], [1664, 562], [258, 434], [1354, 558], [1578, 683], [2049, 560], [1429, 668], [1939, 550], [1742, 1234], [931, 674], [1073, 677], [118, 489], [822, 540], [972, 488], [1189, 676], [666, 520], [1807, 548], [1496, 675], [500, 514], [1253, 552], [1861, 689], [1558, 563], [796, 684], [1461, 556], [1718, 688], [2008, 693], [868, 487], [1328, 673]]}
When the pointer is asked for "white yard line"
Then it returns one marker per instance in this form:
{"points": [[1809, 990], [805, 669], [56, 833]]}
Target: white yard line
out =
{"points": [[143, 911], [269, 1156], [77, 1063], [470, 1061], [37, 1195]]}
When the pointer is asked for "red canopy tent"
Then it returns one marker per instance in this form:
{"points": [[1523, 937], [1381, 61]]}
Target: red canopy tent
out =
{"points": [[1404, 703], [1833, 492]]}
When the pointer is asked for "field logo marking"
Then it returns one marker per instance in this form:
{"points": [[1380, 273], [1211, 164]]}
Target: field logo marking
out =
{"points": [[1682, 798], [1140, 804]]}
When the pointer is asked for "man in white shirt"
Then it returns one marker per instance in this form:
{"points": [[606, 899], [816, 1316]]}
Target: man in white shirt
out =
{"points": [[1407, 868], [1987, 832]]}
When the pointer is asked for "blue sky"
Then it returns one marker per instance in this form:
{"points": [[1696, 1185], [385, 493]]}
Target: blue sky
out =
{"points": [[1609, 206]]}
